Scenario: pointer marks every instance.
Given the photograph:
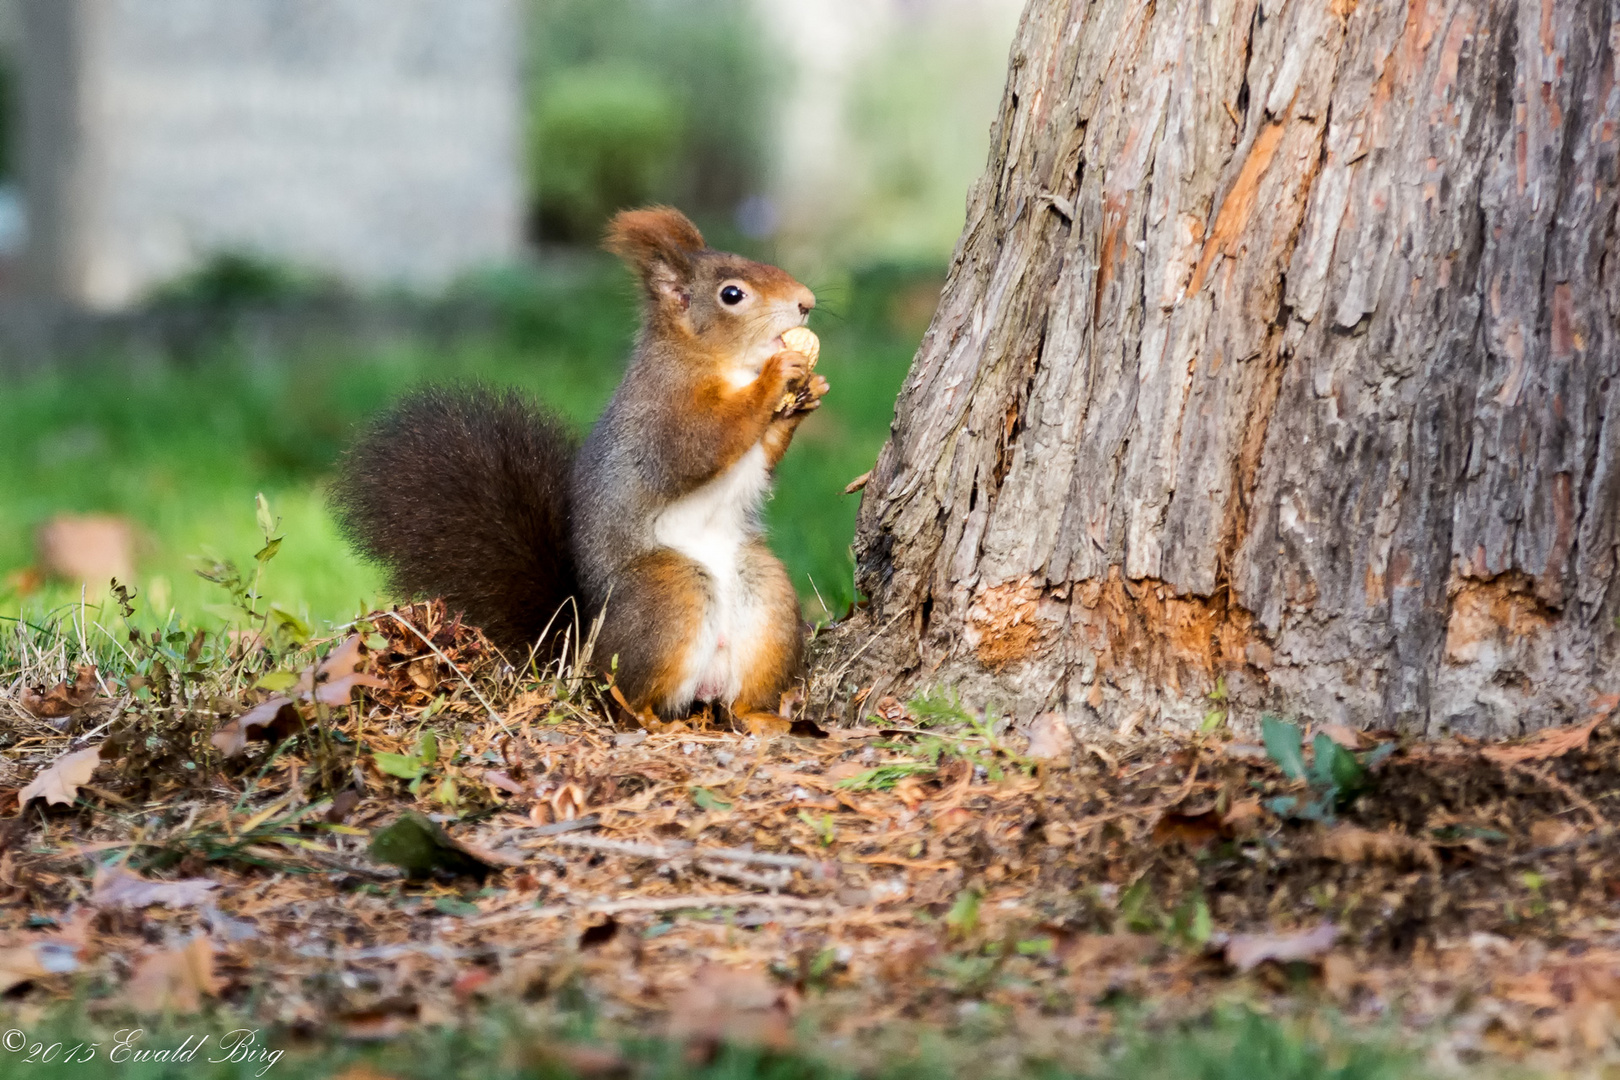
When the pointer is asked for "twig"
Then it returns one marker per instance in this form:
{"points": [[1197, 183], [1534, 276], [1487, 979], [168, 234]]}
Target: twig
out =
{"points": [[589, 821], [726, 872], [660, 903], [728, 900], [332, 861], [616, 847], [683, 852], [461, 675], [762, 858], [1535, 855]]}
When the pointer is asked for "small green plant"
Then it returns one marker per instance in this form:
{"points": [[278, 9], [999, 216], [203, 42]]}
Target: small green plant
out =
{"points": [[954, 731], [963, 918], [824, 828], [884, 777], [244, 592], [1335, 775], [1215, 718], [1535, 905], [940, 705], [708, 800], [411, 767], [1189, 926]]}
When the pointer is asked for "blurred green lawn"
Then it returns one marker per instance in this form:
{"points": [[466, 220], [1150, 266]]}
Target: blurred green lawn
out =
{"points": [[181, 449]]}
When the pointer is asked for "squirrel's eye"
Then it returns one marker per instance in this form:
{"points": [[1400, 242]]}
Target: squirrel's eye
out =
{"points": [[731, 294]]}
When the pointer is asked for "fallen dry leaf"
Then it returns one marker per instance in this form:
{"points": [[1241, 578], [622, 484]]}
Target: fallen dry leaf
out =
{"points": [[423, 673], [272, 720], [889, 708], [1551, 743], [335, 676], [119, 888], [1350, 844], [1050, 738], [1192, 831], [497, 778], [578, 1059], [328, 683], [1242, 816], [1248, 951], [726, 1005], [90, 548], [25, 963], [63, 698], [1551, 832], [174, 980], [1340, 975], [59, 782]]}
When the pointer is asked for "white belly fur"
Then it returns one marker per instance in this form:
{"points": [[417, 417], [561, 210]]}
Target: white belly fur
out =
{"points": [[710, 526]]}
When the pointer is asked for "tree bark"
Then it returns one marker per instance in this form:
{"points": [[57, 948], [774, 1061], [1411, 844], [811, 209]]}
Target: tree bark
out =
{"points": [[1279, 353]]}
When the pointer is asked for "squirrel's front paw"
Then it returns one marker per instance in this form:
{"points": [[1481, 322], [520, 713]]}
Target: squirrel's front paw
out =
{"points": [[810, 395], [806, 398], [793, 369]]}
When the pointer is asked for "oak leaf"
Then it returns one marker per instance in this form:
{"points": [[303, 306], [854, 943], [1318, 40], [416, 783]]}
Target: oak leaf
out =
{"points": [[25, 963], [273, 719], [174, 980], [725, 1005], [1248, 951], [59, 782], [119, 888], [1050, 738], [63, 698], [328, 683]]}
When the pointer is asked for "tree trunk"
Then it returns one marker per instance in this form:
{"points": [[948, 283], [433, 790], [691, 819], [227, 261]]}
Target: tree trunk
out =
{"points": [[1279, 352]]}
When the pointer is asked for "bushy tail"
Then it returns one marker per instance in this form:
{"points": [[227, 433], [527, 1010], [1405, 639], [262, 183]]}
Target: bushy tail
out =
{"points": [[462, 492]]}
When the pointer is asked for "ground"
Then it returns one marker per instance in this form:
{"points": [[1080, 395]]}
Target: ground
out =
{"points": [[424, 833], [431, 860]]}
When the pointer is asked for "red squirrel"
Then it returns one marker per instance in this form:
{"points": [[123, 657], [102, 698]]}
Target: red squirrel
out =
{"points": [[481, 497]]}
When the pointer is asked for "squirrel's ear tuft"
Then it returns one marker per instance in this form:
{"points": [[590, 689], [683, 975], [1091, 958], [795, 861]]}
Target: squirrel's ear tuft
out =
{"points": [[659, 242]]}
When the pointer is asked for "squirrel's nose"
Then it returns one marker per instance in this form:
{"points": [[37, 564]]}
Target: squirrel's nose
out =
{"points": [[807, 300]]}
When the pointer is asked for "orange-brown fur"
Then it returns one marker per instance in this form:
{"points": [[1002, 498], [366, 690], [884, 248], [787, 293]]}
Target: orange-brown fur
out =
{"points": [[701, 393]]}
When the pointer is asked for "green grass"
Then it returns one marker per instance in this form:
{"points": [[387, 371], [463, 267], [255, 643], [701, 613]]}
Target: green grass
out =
{"points": [[1233, 1045], [182, 448]]}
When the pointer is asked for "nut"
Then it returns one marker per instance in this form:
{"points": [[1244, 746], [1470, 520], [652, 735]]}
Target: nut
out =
{"points": [[803, 340]]}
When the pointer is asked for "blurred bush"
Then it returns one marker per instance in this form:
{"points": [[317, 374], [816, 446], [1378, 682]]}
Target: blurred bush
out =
{"points": [[602, 137], [235, 278], [637, 101]]}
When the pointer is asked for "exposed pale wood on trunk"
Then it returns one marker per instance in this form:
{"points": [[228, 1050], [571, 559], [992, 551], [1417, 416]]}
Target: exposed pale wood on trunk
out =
{"points": [[1280, 346]]}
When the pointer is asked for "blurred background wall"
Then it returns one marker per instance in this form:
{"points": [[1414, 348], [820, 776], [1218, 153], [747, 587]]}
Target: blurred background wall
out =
{"points": [[375, 139], [404, 142]]}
